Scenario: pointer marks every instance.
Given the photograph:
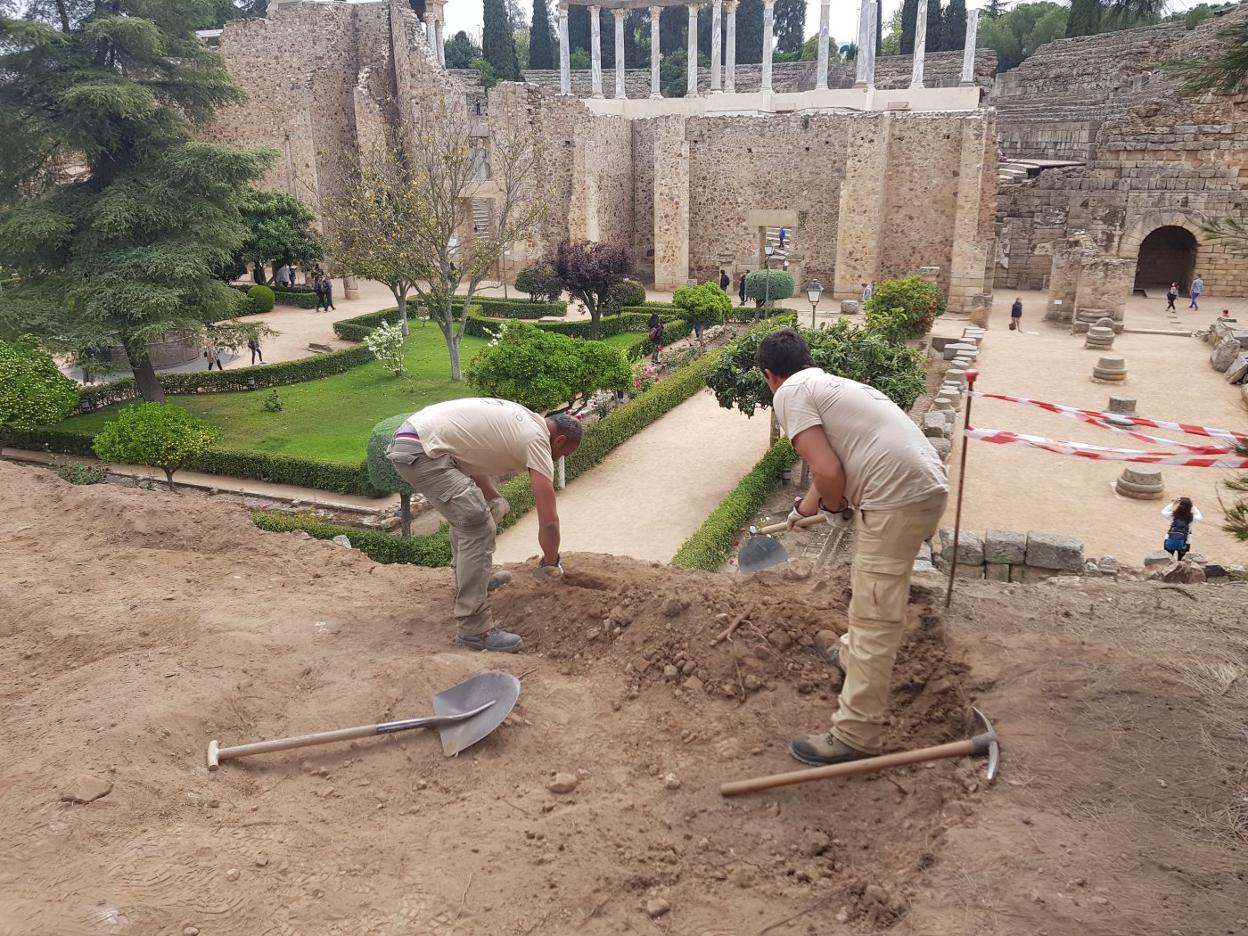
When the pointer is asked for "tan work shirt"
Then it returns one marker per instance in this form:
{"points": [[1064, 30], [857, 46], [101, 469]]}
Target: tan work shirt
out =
{"points": [[888, 461], [484, 436]]}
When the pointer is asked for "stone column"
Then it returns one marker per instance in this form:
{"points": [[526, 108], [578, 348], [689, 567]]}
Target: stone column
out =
{"points": [[920, 41], [439, 48], [730, 47], [619, 53], [655, 89], [595, 51], [769, 16], [864, 38], [869, 54], [691, 88], [821, 67], [717, 15], [565, 62], [968, 53]]}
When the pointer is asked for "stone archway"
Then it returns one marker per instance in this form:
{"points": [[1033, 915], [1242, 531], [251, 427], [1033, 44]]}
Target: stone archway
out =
{"points": [[1166, 255]]}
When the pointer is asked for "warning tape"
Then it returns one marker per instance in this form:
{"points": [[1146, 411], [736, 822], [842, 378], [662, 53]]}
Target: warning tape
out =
{"points": [[1115, 422], [1099, 453]]}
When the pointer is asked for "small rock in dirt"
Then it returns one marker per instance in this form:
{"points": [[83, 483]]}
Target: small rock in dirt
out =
{"points": [[341, 540], [262, 861], [688, 667], [1162, 784], [722, 617], [190, 931], [752, 683], [672, 607], [562, 783], [657, 907], [670, 672], [671, 781], [693, 684], [213, 804], [842, 915], [85, 789], [798, 571], [232, 874]]}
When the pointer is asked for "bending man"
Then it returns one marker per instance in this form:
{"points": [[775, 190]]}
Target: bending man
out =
{"points": [[865, 453], [451, 452]]}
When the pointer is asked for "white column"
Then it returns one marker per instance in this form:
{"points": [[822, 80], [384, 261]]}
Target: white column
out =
{"points": [[872, 25], [821, 67], [565, 62], [769, 15], [655, 90], [865, 38], [439, 48], [968, 53], [730, 47], [691, 88], [717, 42], [619, 52], [920, 42], [595, 52]]}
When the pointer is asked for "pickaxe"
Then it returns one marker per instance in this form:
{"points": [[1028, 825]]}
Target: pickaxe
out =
{"points": [[983, 743]]}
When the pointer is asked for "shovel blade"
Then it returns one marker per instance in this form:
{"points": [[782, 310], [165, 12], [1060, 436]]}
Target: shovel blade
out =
{"points": [[501, 689], [761, 552]]}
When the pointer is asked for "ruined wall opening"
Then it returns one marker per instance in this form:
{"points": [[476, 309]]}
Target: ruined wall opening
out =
{"points": [[1167, 255]]}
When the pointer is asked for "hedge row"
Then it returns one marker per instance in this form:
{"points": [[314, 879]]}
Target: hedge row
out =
{"points": [[712, 543], [495, 307], [483, 326], [302, 296], [430, 551], [240, 378]]}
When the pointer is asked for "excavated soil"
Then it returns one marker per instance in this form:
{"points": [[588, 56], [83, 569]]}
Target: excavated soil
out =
{"points": [[138, 625]]}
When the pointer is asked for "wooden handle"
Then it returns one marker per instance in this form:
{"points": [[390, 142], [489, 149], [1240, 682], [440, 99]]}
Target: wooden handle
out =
{"points": [[217, 753], [850, 768], [800, 524]]}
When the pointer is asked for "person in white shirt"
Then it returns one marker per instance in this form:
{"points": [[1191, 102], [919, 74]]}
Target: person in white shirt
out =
{"points": [[864, 453], [451, 453], [1182, 514]]}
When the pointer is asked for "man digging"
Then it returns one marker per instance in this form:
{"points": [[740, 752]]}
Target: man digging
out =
{"points": [[451, 452], [864, 453]]}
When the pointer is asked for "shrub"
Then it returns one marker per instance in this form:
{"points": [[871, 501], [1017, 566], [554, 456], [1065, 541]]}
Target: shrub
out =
{"points": [[272, 402], [540, 282], [431, 551], [627, 292], [909, 305], [712, 543], [757, 288], [493, 306], [303, 297], [80, 474], [386, 344], [706, 303], [33, 392], [158, 434], [262, 298], [589, 270]]}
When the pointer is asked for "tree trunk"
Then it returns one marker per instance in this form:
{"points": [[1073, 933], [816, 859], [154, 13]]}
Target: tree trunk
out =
{"points": [[452, 343], [401, 297], [169, 477], [593, 320], [405, 514], [145, 378]]}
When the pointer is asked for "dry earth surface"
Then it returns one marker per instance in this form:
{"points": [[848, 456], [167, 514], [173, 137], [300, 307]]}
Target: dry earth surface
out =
{"points": [[135, 626]]}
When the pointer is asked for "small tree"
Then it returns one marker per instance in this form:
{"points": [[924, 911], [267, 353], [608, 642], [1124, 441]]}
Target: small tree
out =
{"points": [[386, 343], [543, 370], [588, 270], [279, 229], [905, 307], [541, 282], [706, 304], [158, 434], [381, 473], [766, 286], [32, 391], [627, 292], [543, 49], [498, 41]]}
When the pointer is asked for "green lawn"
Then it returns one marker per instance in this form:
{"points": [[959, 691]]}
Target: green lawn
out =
{"points": [[327, 419]]}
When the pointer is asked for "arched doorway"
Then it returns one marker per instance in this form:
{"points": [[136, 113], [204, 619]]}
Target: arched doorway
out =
{"points": [[1167, 255]]}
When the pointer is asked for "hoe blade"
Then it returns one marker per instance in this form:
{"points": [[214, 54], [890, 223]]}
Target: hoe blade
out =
{"points": [[761, 552]]}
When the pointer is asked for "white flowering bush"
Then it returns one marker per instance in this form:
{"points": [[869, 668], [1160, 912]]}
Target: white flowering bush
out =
{"points": [[386, 343]]}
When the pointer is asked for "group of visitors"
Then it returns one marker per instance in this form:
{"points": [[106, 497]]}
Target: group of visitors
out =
{"points": [[1198, 287], [322, 285]]}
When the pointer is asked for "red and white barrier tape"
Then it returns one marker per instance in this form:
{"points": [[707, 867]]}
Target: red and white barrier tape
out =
{"points": [[1098, 453], [1114, 421]]}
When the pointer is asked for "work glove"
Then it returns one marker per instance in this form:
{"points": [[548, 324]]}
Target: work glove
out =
{"points": [[834, 518], [548, 573], [499, 506]]}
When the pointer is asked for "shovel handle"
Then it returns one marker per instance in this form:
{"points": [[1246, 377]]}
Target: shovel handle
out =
{"points": [[800, 524]]}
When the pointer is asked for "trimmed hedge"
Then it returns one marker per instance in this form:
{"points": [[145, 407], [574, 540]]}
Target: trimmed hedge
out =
{"points": [[712, 543], [479, 325], [302, 296], [494, 307], [430, 551]]}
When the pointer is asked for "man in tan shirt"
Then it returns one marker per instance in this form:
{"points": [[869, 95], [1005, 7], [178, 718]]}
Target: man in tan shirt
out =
{"points": [[451, 453], [864, 453]]}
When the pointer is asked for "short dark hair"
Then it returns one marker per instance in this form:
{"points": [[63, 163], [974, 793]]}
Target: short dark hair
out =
{"points": [[567, 425], [784, 353]]}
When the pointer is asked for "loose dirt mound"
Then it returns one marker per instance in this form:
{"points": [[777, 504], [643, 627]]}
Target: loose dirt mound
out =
{"points": [[135, 626]]}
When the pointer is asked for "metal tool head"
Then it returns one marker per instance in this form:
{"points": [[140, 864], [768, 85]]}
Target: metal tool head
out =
{"points": [[501, 689], [761, 552], [986, 743]]}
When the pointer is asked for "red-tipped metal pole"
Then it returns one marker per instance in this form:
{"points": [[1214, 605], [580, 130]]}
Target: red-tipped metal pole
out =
{"points": [[971, 376]]}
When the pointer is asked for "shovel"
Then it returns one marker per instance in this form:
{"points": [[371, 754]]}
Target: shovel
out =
{"points": [[463, 715], [763, 552]]}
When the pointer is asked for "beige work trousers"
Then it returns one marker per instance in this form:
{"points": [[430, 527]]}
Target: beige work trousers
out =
{"points": [[887, 543], [457, 498]]}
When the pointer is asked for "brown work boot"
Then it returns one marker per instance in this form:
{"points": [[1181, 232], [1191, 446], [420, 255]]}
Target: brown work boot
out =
{"points": [[819, 750], [828, 649]]}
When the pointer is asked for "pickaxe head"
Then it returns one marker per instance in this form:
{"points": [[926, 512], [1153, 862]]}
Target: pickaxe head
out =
{"points": [[985, 742]]}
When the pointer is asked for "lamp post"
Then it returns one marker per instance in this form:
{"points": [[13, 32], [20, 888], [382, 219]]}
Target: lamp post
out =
{"points": [[768, 250], [814, 292]]}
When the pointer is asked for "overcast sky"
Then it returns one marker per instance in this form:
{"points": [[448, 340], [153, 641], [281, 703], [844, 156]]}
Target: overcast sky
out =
{"points": [[466, 15]]}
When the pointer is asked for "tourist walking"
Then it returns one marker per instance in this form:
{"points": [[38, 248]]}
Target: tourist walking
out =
{"points": [[213, 354], [1016, 314], [741, 286], [867, 456], [654, 331], [253, 344], [324, 293], [782, 235], [724, 280], [868, 289], [1182, 514], [1198, 287], [283, 276], [1171, 294], [451, 453]]}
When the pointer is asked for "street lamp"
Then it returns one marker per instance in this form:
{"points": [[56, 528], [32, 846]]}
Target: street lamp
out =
{"points": [[768, 250], [814, 292]]}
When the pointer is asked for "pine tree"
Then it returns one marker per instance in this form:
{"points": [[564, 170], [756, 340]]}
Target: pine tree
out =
{"points": [[909, 15], [954, 32], [879, 27], [578, 29], [995, 8], [749, 32], [934, 40], [1084, 19], [790, 25], [673, 27], [543, 49], [498, 43], [122, 249]]}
